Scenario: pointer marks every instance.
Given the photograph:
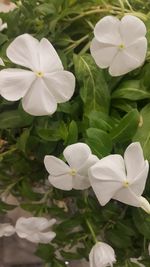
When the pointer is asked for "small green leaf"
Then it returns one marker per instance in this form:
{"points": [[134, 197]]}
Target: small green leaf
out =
{"points": [[99, 141], [72, 133], [126, 128], [131, 90]]}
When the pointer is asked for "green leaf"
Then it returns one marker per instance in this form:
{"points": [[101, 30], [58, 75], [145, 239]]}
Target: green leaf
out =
{"points": [[22, 140], [142, 222], [72, 133], [99, 142], [131, 90], [126, 128], [143, 132], [100, 121], [14, 119], [93, 87]]}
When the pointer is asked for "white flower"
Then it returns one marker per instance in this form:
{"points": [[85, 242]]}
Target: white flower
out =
{"points": [[62, 176], [2, 25], [35, 229], [41, 87], [120, 179], [5, 8], [145, 205], [119, 45], [6, 229], [102, 255]]}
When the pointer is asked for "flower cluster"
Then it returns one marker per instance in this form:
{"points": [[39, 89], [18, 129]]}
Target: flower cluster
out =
{"points": [[42, 84], [112, 177], [33, 229]]}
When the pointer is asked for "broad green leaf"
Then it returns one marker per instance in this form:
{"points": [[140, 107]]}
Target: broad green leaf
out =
{"points": [[14, 119], [143, 132], [126, 128], [142, 222], [100, 121], [92, 85], [72, 133], [22, 140], [131, 90], [99, 142]]}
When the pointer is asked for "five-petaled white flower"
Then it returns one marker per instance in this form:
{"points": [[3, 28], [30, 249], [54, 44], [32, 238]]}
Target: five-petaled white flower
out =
{"points": [[62, 176], [6, 229], [119, 45], [34, 229], [121, 179], [102, 255], [41, 87]]}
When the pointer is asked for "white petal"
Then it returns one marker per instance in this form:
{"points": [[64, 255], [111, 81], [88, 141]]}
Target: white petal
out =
{"points": [[107, 177], [80, 182], [55, 166], [131, 28], [123, 63], [138, 185], [14, 83], [145, 205], [77, 154], [2, 62], [39, 101], [6, 229], [49, 59], [107, 31], [61, 85], [127, 196], [134, 160], [92, 159], [43, 238], [103, 54], [63, 182], [3, 26], [138, 50], [24, 51]]}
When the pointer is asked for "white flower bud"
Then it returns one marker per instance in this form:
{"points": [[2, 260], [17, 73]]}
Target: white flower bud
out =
{"points": [[102, 255]]}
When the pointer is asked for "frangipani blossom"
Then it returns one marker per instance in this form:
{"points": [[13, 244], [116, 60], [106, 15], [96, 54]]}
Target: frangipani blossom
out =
{"points": [[119, 45], [102, 255], [121, 179], [34, 229], [75, 173], [6, 229], [41, 87]]}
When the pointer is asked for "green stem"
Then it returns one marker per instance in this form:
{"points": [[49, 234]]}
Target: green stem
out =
{"points": [[92, 231], [8, 152]]}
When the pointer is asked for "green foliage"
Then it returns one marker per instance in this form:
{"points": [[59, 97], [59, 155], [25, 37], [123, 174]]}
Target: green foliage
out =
{"points": [[106, 113]]}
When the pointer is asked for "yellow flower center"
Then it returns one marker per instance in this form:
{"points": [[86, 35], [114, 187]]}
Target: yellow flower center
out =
{"points": [[73, 172], [39, 74], [126, 183], [121, 46]]}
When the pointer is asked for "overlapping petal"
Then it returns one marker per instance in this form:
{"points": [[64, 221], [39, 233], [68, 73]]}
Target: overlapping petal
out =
{"points": [[77, 154], [14, 83], [35, 229], [55, 166], [56, 81], [134, 160], [107, 177], [123, 63], [24, 51], [107, 30], [49, 59], [63, 181], [131, 29], [99, 52], [39, 101]]}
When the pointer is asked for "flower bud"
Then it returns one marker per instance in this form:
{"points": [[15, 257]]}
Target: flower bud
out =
{"points": [[102, 255]]}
